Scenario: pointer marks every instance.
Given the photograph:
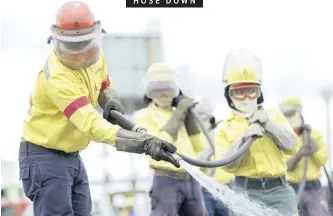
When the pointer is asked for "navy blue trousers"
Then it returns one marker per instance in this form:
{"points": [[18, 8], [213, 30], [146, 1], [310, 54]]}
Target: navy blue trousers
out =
{"points": [[214, 207], [56, 182]]}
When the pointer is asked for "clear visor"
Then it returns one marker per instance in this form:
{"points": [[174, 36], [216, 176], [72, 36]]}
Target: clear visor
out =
{"points": [[77, 51], [161, 89], [243, 91], [288, 110], [158, 84]]}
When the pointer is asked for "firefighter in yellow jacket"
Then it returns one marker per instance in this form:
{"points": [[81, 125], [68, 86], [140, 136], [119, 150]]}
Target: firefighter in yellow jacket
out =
{"points": [[63, 118], [174, 191], [312, 200], [204, 109], [260, 171]]}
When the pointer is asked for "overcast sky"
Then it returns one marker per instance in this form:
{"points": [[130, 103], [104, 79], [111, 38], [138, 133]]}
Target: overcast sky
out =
{"points": [[293, 39]]}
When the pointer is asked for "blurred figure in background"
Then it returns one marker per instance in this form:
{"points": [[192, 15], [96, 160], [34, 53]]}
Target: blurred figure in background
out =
{"points": [[214, 207], [312, 200], [260, 171], [174, 191]]}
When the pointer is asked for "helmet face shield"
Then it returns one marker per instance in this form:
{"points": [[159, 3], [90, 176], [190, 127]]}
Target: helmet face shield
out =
{"points": [[78, 49], [162, 93], [75, 47], [242, 91], [77, 55], [161, 84], [289, 113]]}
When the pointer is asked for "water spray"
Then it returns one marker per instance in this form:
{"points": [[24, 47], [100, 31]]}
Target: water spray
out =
{"points": [[239, 203]]}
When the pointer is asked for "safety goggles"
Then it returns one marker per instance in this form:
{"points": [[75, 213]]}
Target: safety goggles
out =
{"points": [[243, 91], [158, 84], [289, 113], [162, 93]]}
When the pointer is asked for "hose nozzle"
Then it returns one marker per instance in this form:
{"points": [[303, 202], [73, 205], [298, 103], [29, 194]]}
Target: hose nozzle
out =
{"points": [[177, 157]]}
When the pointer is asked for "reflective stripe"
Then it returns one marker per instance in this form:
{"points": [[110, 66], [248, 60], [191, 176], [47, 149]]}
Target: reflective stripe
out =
{"points": [[46, 70], [75, 105], [106, 83]]}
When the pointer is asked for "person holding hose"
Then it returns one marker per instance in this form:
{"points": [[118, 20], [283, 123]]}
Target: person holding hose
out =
{"points": [[312, 200], [204, 109], [62, 118], [174, 191], [260, 171]]}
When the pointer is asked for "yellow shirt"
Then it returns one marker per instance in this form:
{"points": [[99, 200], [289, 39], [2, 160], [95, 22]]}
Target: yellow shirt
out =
{"points": [[315, 161], [264, 159], [220, 175], [154, 119], [62, 112]]}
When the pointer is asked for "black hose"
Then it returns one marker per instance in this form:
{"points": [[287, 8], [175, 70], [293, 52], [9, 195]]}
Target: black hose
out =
{"points": [[128, 125], [204, 129], [329, 181], [306, 141], [223, 161]]}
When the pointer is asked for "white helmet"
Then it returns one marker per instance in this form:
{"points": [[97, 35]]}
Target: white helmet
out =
{"points": [[159, 77]]}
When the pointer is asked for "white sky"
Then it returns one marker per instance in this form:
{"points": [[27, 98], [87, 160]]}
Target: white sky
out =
{"points": [[293, 39]]}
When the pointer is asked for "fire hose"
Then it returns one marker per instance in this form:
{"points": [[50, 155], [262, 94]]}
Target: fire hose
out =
{"points": [[306, 140], [129, 125]]}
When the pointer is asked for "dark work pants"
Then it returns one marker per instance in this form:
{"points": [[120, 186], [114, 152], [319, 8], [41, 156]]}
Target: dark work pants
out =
{"points": [[172, 197], [312, 202], [55, 181], [214, 206]]}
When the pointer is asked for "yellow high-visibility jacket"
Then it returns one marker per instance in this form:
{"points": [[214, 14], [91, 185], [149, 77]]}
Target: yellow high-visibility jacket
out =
{"points": [[264, 159], [154, 119], [63, 113], [315, 162]]}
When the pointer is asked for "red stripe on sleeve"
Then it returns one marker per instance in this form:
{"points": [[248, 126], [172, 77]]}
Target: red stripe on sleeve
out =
{"points": [[75, 105], [106, 83]]}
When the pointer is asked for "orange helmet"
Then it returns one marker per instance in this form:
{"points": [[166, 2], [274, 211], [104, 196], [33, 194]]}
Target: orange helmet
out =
{"points": [[76, 35]]}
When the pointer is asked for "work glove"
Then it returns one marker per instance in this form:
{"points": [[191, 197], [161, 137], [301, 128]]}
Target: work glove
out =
{"points": [[108, 100], [306, 128], [184, 105], [178, 118], [157, 149], [254, 130], [308, 150], [260, 116]]}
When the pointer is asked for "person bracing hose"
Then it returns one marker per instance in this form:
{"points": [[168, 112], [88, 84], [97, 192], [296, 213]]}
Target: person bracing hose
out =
{"points": [[63, 119], [204, 109], [312, 200], [174, 191], [260, 172]]}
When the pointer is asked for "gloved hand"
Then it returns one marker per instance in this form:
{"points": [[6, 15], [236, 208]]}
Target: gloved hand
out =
{"points": [[307, 150], [259, 116], [254, 129], [184, 105], [160, 150], [116, 105], [109, 100], [129, 141], [175, 122], [306, 127]]}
